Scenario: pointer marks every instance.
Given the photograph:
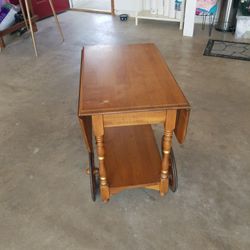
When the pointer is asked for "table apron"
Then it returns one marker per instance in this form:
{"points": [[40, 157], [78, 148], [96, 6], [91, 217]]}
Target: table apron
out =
{"points": [[134, 118]]}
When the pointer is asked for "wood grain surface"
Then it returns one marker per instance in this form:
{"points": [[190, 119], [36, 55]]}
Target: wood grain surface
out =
{"points": [[132, 158], [123, 89], [127, 78]]}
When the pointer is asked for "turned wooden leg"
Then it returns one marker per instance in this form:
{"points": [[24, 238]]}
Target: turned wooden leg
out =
{"points": [[167, 141], [166, 148], [99, 135], [102, 171]]}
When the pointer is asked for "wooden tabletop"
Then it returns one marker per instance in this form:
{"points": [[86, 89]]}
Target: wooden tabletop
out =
{"points": [[123, 78]]}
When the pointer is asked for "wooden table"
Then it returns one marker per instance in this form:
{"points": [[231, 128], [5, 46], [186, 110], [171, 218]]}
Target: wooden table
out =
{"points": [[123, 90]]}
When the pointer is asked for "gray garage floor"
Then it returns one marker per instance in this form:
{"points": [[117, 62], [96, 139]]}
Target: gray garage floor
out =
{"points": [[44, 195]]}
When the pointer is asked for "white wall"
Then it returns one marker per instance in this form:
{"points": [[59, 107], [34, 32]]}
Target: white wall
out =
{"points": [[128, 6], [189, 18], [132, 6]]}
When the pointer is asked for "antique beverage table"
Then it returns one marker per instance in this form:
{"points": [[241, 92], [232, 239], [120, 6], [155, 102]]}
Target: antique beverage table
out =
{"points": [[123, 90]]}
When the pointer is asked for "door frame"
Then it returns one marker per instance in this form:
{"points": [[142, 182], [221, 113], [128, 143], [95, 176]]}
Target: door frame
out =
{"points": [[112, 11]]}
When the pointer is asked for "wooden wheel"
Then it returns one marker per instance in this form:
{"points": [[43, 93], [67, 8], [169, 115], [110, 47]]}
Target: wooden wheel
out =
{"points": [[92, 176], [172, 177]]}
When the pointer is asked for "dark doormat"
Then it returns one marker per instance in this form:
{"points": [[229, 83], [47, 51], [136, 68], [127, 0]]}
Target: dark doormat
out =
{"points": [[226, 49]]}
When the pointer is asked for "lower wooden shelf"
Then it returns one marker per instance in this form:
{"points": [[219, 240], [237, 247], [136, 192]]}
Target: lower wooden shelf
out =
{"points": [[132, 158]]}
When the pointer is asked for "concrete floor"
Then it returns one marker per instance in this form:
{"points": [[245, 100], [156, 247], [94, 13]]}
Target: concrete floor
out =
{"points": [[44, 195]]}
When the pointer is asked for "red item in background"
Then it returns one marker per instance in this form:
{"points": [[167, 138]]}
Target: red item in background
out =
{"points": [[42, 7], [15, 2]]}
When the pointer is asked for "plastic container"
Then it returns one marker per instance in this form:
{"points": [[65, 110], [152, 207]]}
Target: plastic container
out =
{"points": [[172, 9], [160, 7], [153, 8], [7, 16], [166, 7], [146, 5]]}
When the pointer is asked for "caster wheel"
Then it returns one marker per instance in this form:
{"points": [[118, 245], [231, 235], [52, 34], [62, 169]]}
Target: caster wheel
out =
{"points": [[173, 177]]}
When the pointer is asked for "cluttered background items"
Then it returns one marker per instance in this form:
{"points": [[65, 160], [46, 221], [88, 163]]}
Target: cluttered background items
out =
{"points": [[10, 14]]}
